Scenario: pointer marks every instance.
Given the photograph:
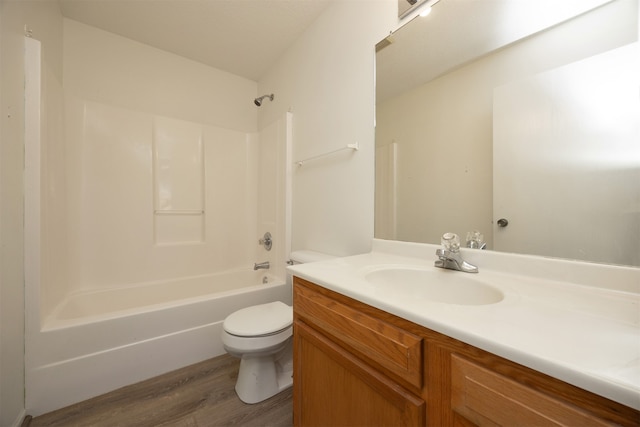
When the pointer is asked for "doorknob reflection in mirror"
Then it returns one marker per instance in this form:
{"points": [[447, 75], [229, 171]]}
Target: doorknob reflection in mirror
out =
{"points": [[502, 222]]}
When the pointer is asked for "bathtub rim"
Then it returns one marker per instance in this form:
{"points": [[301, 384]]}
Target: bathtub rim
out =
{"points": [[52, 322]]}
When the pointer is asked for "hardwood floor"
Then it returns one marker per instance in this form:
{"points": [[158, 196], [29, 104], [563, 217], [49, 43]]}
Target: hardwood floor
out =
{"points": [[200, 395]]}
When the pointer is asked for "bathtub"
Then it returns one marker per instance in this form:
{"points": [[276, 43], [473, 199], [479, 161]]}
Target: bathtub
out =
{"points": [[100, 340]]}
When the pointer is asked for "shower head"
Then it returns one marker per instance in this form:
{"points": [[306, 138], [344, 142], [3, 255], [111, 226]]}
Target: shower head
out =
{"points": [[258, 100]]}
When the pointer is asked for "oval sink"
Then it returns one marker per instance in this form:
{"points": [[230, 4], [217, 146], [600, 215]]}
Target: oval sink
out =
{"points": [[445, 286]]}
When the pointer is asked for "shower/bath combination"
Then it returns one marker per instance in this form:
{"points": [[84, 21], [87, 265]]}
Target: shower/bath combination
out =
{"points": [[258, 100]]}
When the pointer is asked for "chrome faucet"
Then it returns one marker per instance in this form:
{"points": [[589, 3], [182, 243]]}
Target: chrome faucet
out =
{"points": [[450, 257], [261, 265]]}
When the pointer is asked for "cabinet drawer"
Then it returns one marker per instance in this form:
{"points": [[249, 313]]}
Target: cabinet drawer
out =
{"points": [[487, 399], [393, 348]]}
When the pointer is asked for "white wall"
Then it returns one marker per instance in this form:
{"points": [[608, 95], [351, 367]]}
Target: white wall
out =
{"points": [[44, 19], [103, 67], [327, 80]]}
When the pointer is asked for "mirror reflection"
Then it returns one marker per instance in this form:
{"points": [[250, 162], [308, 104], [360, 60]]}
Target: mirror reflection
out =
{"points": [[526, 112]]}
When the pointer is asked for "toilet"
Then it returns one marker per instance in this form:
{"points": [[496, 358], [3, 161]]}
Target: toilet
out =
{"points": [[261, 336]]}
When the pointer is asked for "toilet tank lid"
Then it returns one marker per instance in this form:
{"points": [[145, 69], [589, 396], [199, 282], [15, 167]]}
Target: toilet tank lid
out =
{"points": [[304, 256], [257, 320]]}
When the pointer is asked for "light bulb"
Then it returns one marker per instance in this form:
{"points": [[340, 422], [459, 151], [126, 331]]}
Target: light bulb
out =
{"points": [[425, 11]]}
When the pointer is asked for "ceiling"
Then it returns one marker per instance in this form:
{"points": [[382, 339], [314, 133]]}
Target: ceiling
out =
{"points": [[242, 37]]}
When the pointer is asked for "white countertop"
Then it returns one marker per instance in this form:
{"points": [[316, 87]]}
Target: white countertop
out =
{"points": [[575, 321]]}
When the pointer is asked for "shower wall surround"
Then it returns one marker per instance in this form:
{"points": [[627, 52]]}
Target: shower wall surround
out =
{"points": [[178, 179], [104, 67], [138, 203], [162, 160]]}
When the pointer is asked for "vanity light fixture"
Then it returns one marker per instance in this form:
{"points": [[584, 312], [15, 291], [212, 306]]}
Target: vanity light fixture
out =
{"points": [[414, 8]]}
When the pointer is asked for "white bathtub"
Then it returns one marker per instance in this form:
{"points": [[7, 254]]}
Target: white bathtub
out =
{"points": [[97, 341]]}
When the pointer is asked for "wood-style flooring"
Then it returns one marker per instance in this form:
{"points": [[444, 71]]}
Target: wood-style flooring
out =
{"points": [[200, 395]]}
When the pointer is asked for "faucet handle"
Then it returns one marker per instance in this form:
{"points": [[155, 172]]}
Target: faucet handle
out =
{"points": [[451, 242], [266, 241], [475, 240]]}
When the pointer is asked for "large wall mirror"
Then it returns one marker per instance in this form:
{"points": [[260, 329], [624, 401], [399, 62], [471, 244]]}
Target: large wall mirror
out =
{"points": [[526, 111]]}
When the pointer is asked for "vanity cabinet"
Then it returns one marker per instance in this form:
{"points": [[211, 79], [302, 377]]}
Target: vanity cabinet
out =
{"points": [[352, 368], [357, 365]]}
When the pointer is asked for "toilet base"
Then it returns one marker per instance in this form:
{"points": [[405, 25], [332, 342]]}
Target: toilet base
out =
{"points": [[260, 378]]}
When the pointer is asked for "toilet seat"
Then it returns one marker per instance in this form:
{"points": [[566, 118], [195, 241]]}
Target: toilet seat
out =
{"points": [[255, 346], [260, 320]]}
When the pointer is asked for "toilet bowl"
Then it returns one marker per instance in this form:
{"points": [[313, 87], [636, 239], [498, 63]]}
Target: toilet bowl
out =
{"points": [[261, 336]]}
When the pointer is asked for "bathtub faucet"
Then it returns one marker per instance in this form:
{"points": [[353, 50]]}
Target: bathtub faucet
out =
{"points": [[261, 265]]}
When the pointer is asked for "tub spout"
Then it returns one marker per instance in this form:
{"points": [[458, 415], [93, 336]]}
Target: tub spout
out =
{"points": [[261, 265]]}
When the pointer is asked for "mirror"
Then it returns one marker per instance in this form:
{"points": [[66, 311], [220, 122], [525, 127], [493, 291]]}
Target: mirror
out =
{"points": [[405, 7], [524, 110]]}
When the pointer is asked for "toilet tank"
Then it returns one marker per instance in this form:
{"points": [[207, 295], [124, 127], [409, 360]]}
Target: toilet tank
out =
{"points": [[305, 256]]}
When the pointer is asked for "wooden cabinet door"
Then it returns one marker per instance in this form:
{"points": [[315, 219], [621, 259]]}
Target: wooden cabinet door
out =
{"points": [[386, 347], [334, 388], [487, 398]]}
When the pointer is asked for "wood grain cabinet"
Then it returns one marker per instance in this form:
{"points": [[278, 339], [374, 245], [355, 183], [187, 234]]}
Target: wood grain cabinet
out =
{"points": [[351, 368], [355, 365]]}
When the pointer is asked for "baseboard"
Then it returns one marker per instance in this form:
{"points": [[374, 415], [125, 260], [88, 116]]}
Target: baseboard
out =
{"points": [[20, 419]]}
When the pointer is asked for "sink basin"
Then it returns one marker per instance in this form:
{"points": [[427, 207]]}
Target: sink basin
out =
{"points": [[436, 285]]}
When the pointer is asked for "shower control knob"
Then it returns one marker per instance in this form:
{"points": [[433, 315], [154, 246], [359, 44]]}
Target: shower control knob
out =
{"points": [[502, 222], [266, 241]]}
